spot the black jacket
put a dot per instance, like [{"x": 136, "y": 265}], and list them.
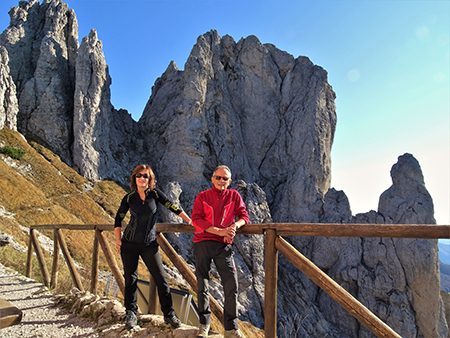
[{"x": 141, "y": 228}]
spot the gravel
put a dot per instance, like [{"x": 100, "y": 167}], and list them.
[{"x": 40, "y": 317}]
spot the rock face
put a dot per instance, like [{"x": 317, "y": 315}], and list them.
[
  {"x": 8, "y": 99},
  {"x": 104, "y": 139},
  {"x": 42, "y": 44},
  {"x": 407, "y": 201},
  {"x": 271, "y": 118},
  {"x": 397, "y": 279},
  {"x": 63, "y": 92}
]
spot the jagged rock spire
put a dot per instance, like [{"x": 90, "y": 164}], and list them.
[{"x": 42, "y": 42}]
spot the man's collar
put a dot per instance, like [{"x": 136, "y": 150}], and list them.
[{"x": 217, "y": 190}]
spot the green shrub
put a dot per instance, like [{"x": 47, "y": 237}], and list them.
[{"x": 12, "y": 152}]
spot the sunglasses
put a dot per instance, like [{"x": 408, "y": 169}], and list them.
[
  {"x": 141, "y": 175},
  {"x": 221, "y": 178}
]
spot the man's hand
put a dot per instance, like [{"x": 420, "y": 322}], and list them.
[
  {"x": 227, "y": 233},
  {"x": 227, "y": 239}
]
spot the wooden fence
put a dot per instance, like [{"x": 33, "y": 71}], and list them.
[{"x": 274, "y": 243}]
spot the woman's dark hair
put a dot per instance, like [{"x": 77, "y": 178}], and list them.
[{"x": 138, "y": 169}]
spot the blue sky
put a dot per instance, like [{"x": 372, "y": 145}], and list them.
[{"x": 387, "y": 61}]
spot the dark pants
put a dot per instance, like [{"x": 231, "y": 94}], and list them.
[
  {"x": 130, "y": 253},
  {"x": 222, "y": 255}
]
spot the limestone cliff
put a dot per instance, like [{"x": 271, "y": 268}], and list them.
[
  {"x": 270, "y": 117},
  {"x": 8, "y": 98},
  {"x": 398, "y": 279},
  {"x": 41, "y": 41},
  {"x": 105, "y": 140}
]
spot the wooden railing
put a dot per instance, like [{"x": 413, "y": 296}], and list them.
[{"x": 273, "y": 244}]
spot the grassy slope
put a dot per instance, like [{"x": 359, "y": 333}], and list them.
[{"x": 41, "y": 189}]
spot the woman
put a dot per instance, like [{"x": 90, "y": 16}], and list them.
[{"x": 139, "y": 239}]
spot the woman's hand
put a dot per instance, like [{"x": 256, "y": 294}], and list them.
[{"x": 118, "y": 245}]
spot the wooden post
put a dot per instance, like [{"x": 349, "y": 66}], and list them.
[
  {"x": 94, "y": 269},
  {"x": 179, "y": 262},
  {"x": 270, "y": 285},
  {"x": 71, "y": 265},
  {"x": 54, "y": 280},
  {"x": 152, "y": 297},
  {"x": 29, "y": 256},
  {"x": 338, "y": 293},
  {"x": 187, "y": 273},
  {"x": 111, "y": 261},
  {"x": 40, "y": 257}
]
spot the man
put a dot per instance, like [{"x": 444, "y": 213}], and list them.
[{"x": 213, "y": 216}]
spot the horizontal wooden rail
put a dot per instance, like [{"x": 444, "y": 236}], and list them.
[
  {"x": 332, "y": 229},
  {"x": 297, "y": 229},
  {"x": 100, "y": 227},
  {"x": 362, "y": 230},
  {"x": 249, "y": 229}
]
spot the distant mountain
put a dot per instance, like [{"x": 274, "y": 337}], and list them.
[
  {"x": 444, "y": 252},
  {"x": 445, "y": 276}
]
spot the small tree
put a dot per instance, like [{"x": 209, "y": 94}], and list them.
[{"x": 12, "y": 152}]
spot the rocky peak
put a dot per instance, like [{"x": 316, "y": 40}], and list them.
[
  {"x": 92, "y": 108},
  {"x": 42, "y": 42},
  {"x": 63, "y": 96},
  {"x": 106, "y": 141},
  {"x": 407, "y": 198},
  {"x": 231, "y": 105},
  {"x": 407, "y": 201}
]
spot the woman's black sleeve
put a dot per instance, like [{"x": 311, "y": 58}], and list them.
[
  {"x": 162, "y": 198},
  {"x": 121, "y": 212}
]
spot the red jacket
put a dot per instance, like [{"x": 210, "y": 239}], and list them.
[{"x": 216, "y": 208}]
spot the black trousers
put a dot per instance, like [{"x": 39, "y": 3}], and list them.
[
  {"x": 130, "y": 253},
  {"x": 222, "y": 255}
]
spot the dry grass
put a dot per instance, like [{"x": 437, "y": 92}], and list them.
[
  {"x": 17, "y": 260},
  {"x": 41, "y": 189}
]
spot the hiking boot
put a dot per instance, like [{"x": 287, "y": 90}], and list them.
[
  {"x": 203, "y": 330},
  {"x": 173, "y": 321},
  {"x": 233, "y": 334},
  {"x": 131, "y": 320}
]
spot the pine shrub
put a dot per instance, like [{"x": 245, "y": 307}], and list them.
[{"x": 12, "y": 152}]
